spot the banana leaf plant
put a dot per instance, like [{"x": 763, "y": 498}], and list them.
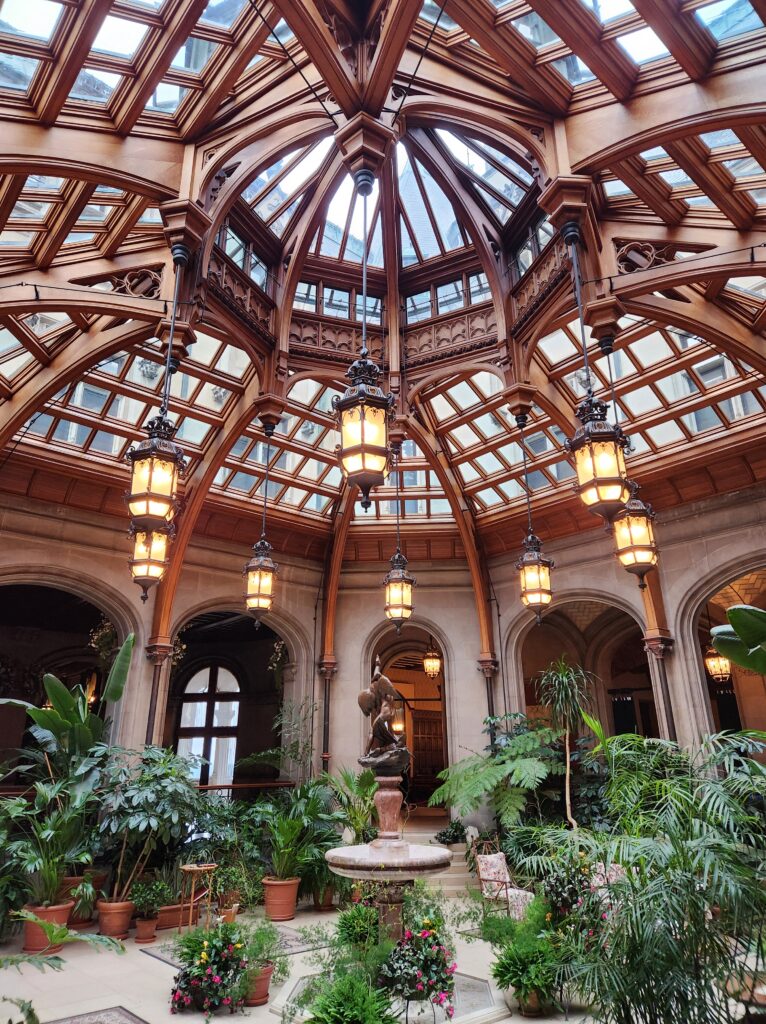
[
  {"x": 743, "y": 641},
  {"x": 69, "y": 728}
]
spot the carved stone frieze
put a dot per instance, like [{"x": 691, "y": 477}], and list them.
[
  {"x": 464, "y": 330},
  {"x": 550, "y": 268}
]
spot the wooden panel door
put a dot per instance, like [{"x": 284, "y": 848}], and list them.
[{"x": 427, "y": 751}]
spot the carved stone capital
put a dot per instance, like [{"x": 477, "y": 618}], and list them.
[
  {"x": 185, "y": 223},
  {"x": 658, "y": 646},
  {"x": 567, "y": 198},
  {"x": 488, "y": 665},
  {"x": 327, "y": 668},
  {"x": 158, "y": 653},
  {"x": 364, "y": 143}
]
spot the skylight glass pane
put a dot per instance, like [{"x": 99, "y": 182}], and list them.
[
  {"x": 641, "y": 401},
  {"x": 665, "y": 433},
  {"x": 677, "y": 386},
  {"x": 119, "y": 36},
  {"x": 282, "y": 33},
  {"x": 450, "y": 296},
  {"x": 607, "y": 10},
  {"x": 306, "y": 296},
  {"x": 719, "y": 139},
  {"x": 433, "y": 12},
  {"x": 375, "y": 255},
  {"x": 194, "y": 55},
  {"x": 557, "y": 347},
  {"x": 701, "y": 200},
  {"x": 94, "y": 86},
  {"x": 650, "y": 350},
  {"x": 222, "y": 12},
  {"x": 643, "y": 45},
  {"x": 293, "y": 181},
  {"x": 279, "y": 224},
  {"x": 31, "y": 209},
  {"x": 43, "y": 181},
  {"x": 353, "y": 250},
  {"x": 166, "y": 98},
  {"x": 616, "y": 187},
  {"x": 744, "y": 167},
  {"x": 414, "y": 205},
  {"x": 535, "y": 30},
  {"x": 573, "y": 69},
  {"x": 418, "y": 307},
  {"x": 655, "y": 153},
  {"x": 336, "y": 302},
  {"x": 478, "y": 288},
  {"x": 36, "y": 19},
  {"x": 676, "y": 177},
  {"x": 16, "y": 72},
  {"x": 443, "y": 212},
  {"x": 409, "y": 255},
  {"x": 729, "y": 18}
]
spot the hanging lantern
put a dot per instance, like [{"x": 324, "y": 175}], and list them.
[
  {"x": 598, "y": 448},
  {"x": 634, "y": 537},
  {"x": 535, "y": 575},
  {"x": 260, "y": 574},
  {"x": 432, "y": 662},
  {"x": 717, "y": 666},
  {"x": 398, "y": 583},
  {"x": 157, "y": 463},
  {"x": 149, "y": 559},
  {"x": 398, "y": 722}
]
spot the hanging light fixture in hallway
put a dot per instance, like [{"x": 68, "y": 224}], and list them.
[
  {"x": 534, "y": 568},
  {"x": 398, "y": 582},
  {"x": 157, "y": 464},
  {"x": 261, "y": 571},
  {"x": 598, "y": 446},
  {"x": 634, "y": 537},
  {"x": 717, "y": 666},
  {"x": 432, "y": 662},
  {"x": 363, "y": 410}
]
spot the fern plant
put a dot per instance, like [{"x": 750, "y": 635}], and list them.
[{"x": 506, "y": 774}]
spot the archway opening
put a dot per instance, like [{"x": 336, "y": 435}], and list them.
[
  {"x": 423, "y": 718},
  {"x": 737, "y": 700},
  {"x": 45, "y": 629},
  {"x": 606, "y": 642},
  {"x": 226, "y": 693}
]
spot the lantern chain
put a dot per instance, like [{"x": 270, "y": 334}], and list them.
[
  {"x": 268, "y": 430},
  {"x": 364, "y": 274},
  {"x": 521, "y": 422},
  {"x": 180, "y": 258}
]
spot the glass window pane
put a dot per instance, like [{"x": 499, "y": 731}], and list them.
[
  {"x": 16, "y": 72},
  {"x": 94, "y": 86},
  {"x": 199, "y": 682},
  {"x": 225, "y": 714},
  {"x": 642, "y": 45},
  {"x": 194, "y": 55},
  {"x": 306, "y": 296},
  {"x": 119, "y": 36},
  {"x": 449, "y": 296},
  {"x": 728, "y": 18},
  {"x": 573, "y": 69},
  {"x": 33, "y": 18},
  {"x": 191, "y": 745},
  {"x": 478, "y": 288},
  {"x": 223, "y": 751},
  {"x": 336, "y": 302},
  {"x": 418, "y": 307},
  {"x": 193, "y": 714}
]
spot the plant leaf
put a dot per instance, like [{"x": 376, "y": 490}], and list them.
[
  {"x": 118, "y": 673},
  {"x": 62, "y": 700},
  {"x": 749, "y": 624},
  {"x": 728, "y": 643}
]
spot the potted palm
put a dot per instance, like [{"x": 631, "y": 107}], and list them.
[
  {"x": 50, "y": 836},
  {"x": 527, "y": 965},
  {"x": 291, "y": 854},
  {"x": 266, "y": 962},
  {"x": 147, "y": 799},
  {"x": 354, "y": 796},
  {"x": 147, "y": 898}
]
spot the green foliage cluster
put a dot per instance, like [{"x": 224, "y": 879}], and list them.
[
  {"x": 354, "y": 797},
  {"x": 507, "y": 774},
  {"x": 453, "y": 833},
  {"x": 213, "y": 970},
  {"x": 149, "y": 896},
  {"x": 352, "y": 999},
  {"x": 528, "y": 965},
  {"x": 743, "y": 641},
  {"x": 263, "y": 946},
  {"x": 358, "y": 925}
]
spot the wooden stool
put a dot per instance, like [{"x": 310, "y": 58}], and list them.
[{"x": 195, "y": 872}]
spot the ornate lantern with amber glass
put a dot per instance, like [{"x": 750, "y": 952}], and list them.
[
  {"x": 634, "y": 537},
  {"x": 432, "y": 662},
  {"x": 149, "y": 557}
]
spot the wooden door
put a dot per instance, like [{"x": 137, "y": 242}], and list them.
[{"x": 427, "y": 752}]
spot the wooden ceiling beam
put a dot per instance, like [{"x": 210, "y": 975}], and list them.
[
  {"x": 583, "y": 33},
  {"x": 179, "y": 18},
  {"x": 71, "y": 50},
  {"x": 10, "y": 190},
  {"x": 651, "y": 189},
  {"x": 399, "y": 20},
  {"x": 65, "y": 218},
  {"x": 122, "y": 225},
  {"x": 320, "y": 44},
  {"x": 753, "y": 137},
  {"x": 714, "y": 179},
  {"x": 690, "y": 43},
  {"x": 514, "y": 54}
]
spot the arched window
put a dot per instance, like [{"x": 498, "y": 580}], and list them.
[{"x": 208, "y": 723}]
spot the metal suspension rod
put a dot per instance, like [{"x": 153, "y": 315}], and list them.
[
  {"x": 364, "y": 274},
  {"x": 575, "y": 258},
  {"x": 521, "y": 422},
  {"x": 169, "y": 357},
  {"x": 396, "y": 470},
  {"x": 266, "y": 485}
]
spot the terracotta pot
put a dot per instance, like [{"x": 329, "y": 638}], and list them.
[
  {"x": 114, "y": 918},
  {"x": 228, "y": 899},
  {"x": 258, "y": 995},
  {"x": 323, "y": 898},
  {"x": 531, "y": 1006},
  {"x": 280, "y": 897},
  {"x": 71, "y": 882},
  {"x": 228, "y": 914},
  {"x": 35, "y": 939},
  {"x": 170, "y": 915},
  {"x": 146, "y": 930}
]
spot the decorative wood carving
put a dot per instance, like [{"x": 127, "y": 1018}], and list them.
[
  {"x": 550, "y": 268},
  {"x": 238, "y": 292},
  {"x": 339, "y": 337},
  {"x": 633, "y": 256},
  {"x": 464, "y": 330},
  {"x": 142, "y": 282}
]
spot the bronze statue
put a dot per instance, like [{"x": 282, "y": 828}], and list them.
[{"x": 385, "y": 751}]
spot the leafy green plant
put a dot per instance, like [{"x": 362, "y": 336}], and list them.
[
  {"x": 506, "y": 774},
  {"x": 354, "y": 795},
  {"x": 50, "y": 836},
  {"x": 291, "y": 850},
  {"x": 358, "y": 925},
  {"x": 421, "y": 966},
  {"x": 263, "y": 946},
  {"x": 453, "y": 833},
  {"x": 351, "y": 999},
  {"x": 213, "y": 970},
  {"x": 69, "y": 728},
  {"x": 564, "y": 689},
  {"x": 743, "y": 641},
  {"x": 527, "y": 964},
  {"x": 148, "y": 897}
]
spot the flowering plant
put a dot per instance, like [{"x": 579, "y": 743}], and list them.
[
  {"x": 213, "y": 970},
  {"x": 420, "y": 966}
]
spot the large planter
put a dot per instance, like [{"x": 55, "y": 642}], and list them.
[
  {"x": 70, "y": 882},
  {"x": 170, "y": 915},
  {"x": 323, "y": 898},
  {"x": 529, "y": 1007},
  {"x": 114, "y": 918},
  {"x": 280, "y": 897},
  {"x": 35, "y": 939},
  {"x": 258, "y": 994},
  {"x": 146, "y": 930}
]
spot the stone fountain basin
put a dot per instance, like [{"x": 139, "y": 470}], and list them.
[{"x": 388, "y": 861}]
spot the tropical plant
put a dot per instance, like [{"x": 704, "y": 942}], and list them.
[
  {"x": 13, "y": 882},
  {"x": 358, "y": 925},
  {"x": 564, "y": 690},
  {"x": 354, "y": 795},
  {"x": 743, "y": 641},
  {"x": 675, "y": 901},
  {"x": 295, "y": 755},
  {"x": 148, "y": 897},
  {"x": 452, "y": 834},
  {"x": 291, "y": 852},
  {"x": 350, "y": 998},
  {"x": 506, "y": 774},
  {"x": 213, "y": 970},
  {"x": 68, "y": 729},
  {"x": 527, "y": 964},
  {"x": 49, "y": 836},
  {"x": 263, "y": 946},
  {"x": 421, "y": 966},
  {"x": 147, "y": 799}
]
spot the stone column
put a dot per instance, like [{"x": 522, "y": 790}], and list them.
[
  {"x": 327, "y": 669},
  {"x": 158, "y": 655},
  {"x": 658, "y": 647}
]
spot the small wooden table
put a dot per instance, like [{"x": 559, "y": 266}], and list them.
[{"x": 201, "y": 873}]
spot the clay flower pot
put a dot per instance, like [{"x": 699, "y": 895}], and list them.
[
  {"x": 258, "y": 994},
  {"x": 323, "y": 898},
  {"x": 280, "y": 897},
  {"x": 70, "y": 882},
  {"x": 35, "y": 939},
  {"x": 228, "y": 914},
  {"x": 114, "y": 918},
  {"x": 146, "y": 930}
]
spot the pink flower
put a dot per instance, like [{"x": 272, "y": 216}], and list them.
[
  {"x": 419, "y": 987},
  {"x": 424, "y": 935},
  {"x": 176, "y": 996},
  {"x": 408, "y": 934},
  {"x": 230, "y": 948},
  {"x": 450, "y": 1012},
  {"x": 603, "y": 917},
  {"x": 217, "y": 980},
  {"x": 209, "y": 970},
  {"x": 420, "y": 974},
  {"x": 226, "y": 1000},
  {"x": 187, "y": 1000}
]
